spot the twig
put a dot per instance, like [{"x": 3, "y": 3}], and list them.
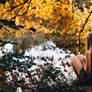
[
  {"x": 83, "y": 28},
  {"x": 85, "y": 22}
]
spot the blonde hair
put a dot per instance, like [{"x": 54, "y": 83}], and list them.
[{"x": 89, "y": 41}]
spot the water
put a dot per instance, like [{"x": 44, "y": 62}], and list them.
[{"x": 42, "y": 54}]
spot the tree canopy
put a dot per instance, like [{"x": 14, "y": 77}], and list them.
[{"x": 60, "y": 18}]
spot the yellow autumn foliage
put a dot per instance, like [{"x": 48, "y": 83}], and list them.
[
  {"x": 52, "y": 14},
  {"x": 40, "y": 10}
]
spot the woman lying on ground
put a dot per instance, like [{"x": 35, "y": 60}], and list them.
[{"x": 83, "y": 65}]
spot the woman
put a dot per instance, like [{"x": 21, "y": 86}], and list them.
[{"x": 83, "y": 66}]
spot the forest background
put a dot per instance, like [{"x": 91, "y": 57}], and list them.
[
  {"x": 61, "y": 20},
  {"x": 27, "y": 23}
]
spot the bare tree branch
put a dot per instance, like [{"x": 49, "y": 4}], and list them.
[
  {"x": 83, "y": 28},
  {"x": 86, "y": 22}
]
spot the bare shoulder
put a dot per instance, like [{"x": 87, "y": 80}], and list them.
[{"x": 88, "y": 51}]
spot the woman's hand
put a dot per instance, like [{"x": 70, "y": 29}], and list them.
[{"x": 83, "y": 61}]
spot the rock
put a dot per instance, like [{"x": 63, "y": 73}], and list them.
[{"x": 85, "y": 88}]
